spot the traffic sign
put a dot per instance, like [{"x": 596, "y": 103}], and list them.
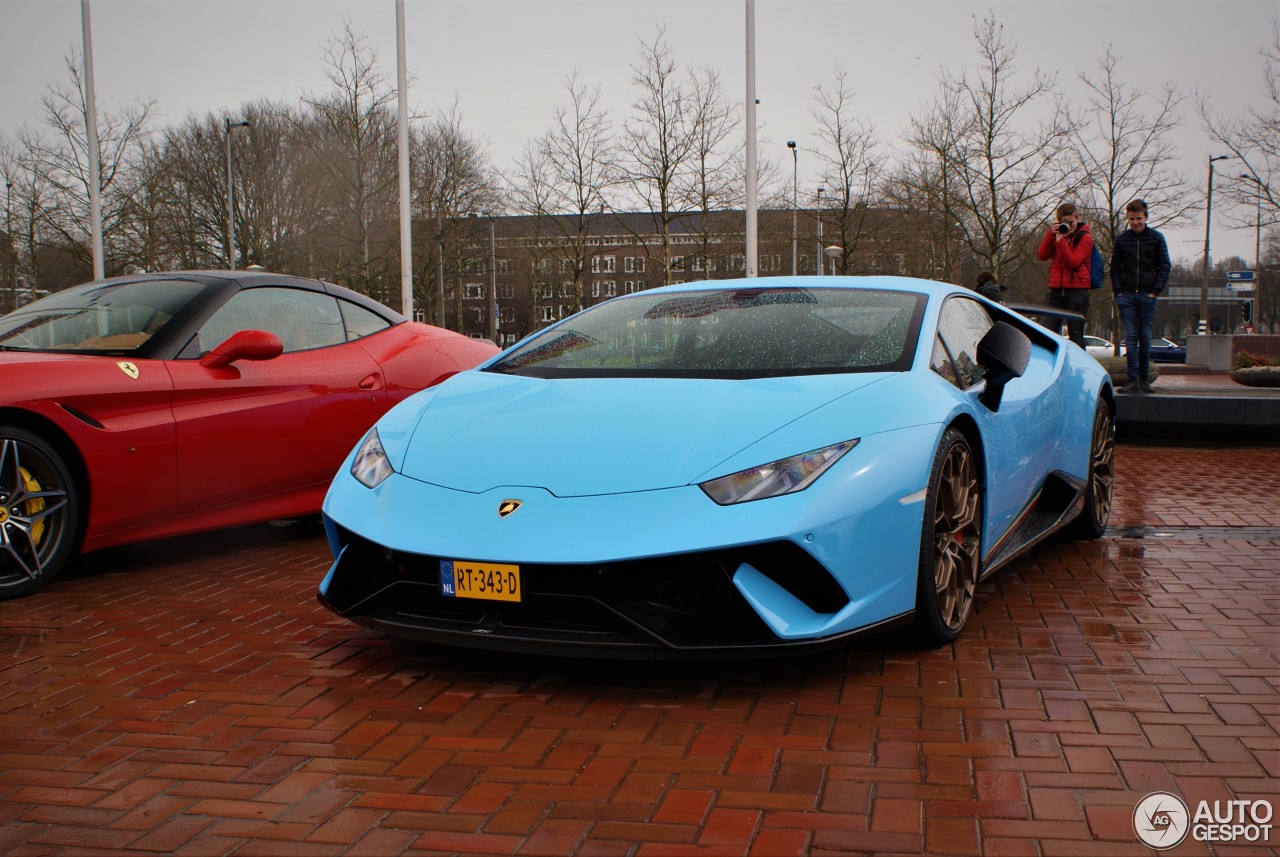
[{"x": 1239, "y": 277}]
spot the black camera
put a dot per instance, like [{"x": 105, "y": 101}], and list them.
[{"x": 1063, "y": 228}]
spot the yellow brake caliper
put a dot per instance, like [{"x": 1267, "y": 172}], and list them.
[{"x": 33, "y": 506}]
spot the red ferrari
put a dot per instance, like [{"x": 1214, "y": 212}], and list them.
[{"x": 152, "y": 405}]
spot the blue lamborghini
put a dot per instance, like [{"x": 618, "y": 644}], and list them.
[{"x": 724, "y": 468}]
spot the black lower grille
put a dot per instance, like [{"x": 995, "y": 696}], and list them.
[{"x": 680, "y": 601}]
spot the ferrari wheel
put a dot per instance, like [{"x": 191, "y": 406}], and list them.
[
  {"x": 1092, "y": 522},
  {"x": 38, "y": 513},
  {"x": 951, "y": 544}
]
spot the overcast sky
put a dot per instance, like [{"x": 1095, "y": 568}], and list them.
[{"x": 505, "y": 61}]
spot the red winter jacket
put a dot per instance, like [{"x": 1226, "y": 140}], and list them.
[{"x": 1068, "y": 259}]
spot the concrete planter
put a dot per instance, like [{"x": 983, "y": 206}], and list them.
[{"x": 1257, "y": 376}]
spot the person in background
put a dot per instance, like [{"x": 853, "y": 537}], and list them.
[
  {"x": 1067, "y": 246},
  {"x": 988, "y": 287},
  {"x": 1139, "y": 272}
]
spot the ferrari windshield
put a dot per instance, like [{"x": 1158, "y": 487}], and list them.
[
  {"x": 117, "y": 318},
  {"x": 729, "y": 333}
]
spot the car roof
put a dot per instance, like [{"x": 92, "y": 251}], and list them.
[{"x": 255, "y": 279}]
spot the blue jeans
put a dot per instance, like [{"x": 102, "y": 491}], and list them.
[{"x": 1137, "y": 311}]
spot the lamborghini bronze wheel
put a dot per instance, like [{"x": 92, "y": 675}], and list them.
[
  {"x": 1092, "y": 522},
  {"x": 951, "y": 544},
  {"x": 38, "y": 514}
]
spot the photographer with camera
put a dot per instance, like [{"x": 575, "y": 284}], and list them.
[{"x": 1067, "y": 246}]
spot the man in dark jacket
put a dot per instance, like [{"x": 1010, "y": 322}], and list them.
[
  {"x": 1139, "y": 272},
  {"x": 1068, "y": 246}
]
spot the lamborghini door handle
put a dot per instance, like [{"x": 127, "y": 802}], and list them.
[{"x": 371, "y": 381}]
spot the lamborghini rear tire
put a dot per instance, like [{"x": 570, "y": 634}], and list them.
[
  {"x": 39, "y": 512},
  {"x": 1092, "y": 521},
  {"x": 951, "y": 542}
]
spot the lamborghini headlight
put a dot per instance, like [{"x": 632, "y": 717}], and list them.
[
  {"x": 773, "y": 480},
  {"x": 371, "y": 465}
]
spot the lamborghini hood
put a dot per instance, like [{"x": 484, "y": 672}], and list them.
[{"x": 582, "y": 437}]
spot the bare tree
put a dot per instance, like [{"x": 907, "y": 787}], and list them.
[
  {"x": 998, "y": 177},
  {"x": 62, "y": 163},
  {"x": 715, "y": 180},
  {"x": 351, "y": 134},
  {"x": 659, "y": 140},
  {"x": 1121, "y": 147},
  {"x": 452, "y": 179},
  {"x": 850, "y": 167},
  {"x": 1254, "y": 139},
  {"x": 581, "y": 154},
  {"x": 532, "y": 189}
]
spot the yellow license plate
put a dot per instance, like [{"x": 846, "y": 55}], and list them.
[{"x": 488, "y": 581}]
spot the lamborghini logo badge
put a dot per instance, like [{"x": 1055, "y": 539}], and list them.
[
  {"x": 4, "y": 515},
  {"x": 506, "y": 507},
  {"x": 128, "y": 369}
]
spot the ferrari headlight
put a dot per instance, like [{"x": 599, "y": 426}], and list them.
[
  {"x": 371, "y": 465},
  {"x": 773, "y": 480}
]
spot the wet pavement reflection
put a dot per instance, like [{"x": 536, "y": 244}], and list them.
[{"x": 191, "y": 697}]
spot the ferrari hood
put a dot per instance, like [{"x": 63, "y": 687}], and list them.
[{"x": 581, "y": 437}]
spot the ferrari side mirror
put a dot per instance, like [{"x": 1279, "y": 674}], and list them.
[
  {"x": 1004, "y": 352},
  {"x": 243, "y": 345}
]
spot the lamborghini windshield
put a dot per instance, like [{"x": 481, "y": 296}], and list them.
[
  {"x": 729, "y": 333},
  {"x": 117, "y": 319}
]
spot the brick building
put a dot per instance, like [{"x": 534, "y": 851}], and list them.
[{"x": 547, "y": 268}]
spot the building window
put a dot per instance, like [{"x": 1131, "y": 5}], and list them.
[
  {"x": 566, "y": 266},
  {"x": 506, "y": 291},
  {"x": 629, "y": 286},
  {"x": 595, "y": 289},
  {"x": 566, "y": 289},
  {"x": 544, "y": 290},
  {"x": 604, "y": 264},
  {"x": 504, "y": 266},
  {"x": 508, "y": 339},
  {"x": 737, "y": 262},
  {"x": 473, "y": 291},
  {"x": 542, "y": 266},
  {"x": 475, "y": 315},
  {"x": 547, "y": 314},
  {"x": 473, "y": 266},
  {"x": 610, "y": 288},
  {"x": 771, "y": 262},
  {"x": 677, "y": 263},
  {"x": 633, "y": 265},
  {"x": 567, "y": 309}
]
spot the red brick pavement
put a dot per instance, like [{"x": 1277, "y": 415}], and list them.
[{"x": 190, "y": 697}]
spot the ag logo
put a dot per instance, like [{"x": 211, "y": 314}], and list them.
[
  {"x": 128, "y": 369},
  {"x": 1161, "y": 820},
  {"x": 506, "y": 507}
]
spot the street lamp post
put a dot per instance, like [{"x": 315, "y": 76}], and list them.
[
  {"x": 1257, "y": 236},
  {"x": 8, "y": 234},
  {"x": 1208, "y": 214},
  {"x": 795, "y": 205},
  {"x": 1257, "y": 222},
  {"x": 817, "y": 265},
  {"x": 231, "y": 198},
  {"x": 493, "y": 282}
]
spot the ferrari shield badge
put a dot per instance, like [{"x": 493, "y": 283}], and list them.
[
  {"x": 129, "y": 369},
  {"x": 506, "y": 507}
]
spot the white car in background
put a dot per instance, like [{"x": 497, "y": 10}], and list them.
[
  {"x": 1162, "y": 350},
  {"x": 1099, "y": 347}
]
